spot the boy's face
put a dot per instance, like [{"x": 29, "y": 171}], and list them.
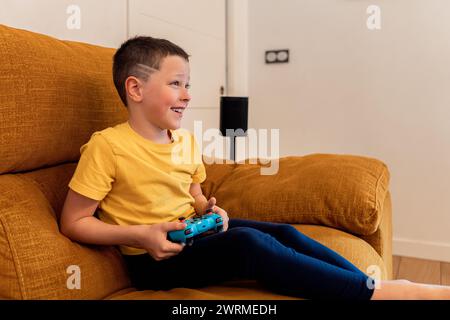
[{"x": 164, "y": 96}]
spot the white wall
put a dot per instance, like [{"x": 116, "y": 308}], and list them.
[
  {"x": 103, "y": 22},
  {"x": 349, "y": 90},
  {"x": 237, "y": 24}
]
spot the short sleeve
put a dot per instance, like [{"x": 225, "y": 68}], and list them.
[
  {"x": 200, "y": 174},
  {"x": 95, "y": 172}
]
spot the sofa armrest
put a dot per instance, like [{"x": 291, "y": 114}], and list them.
[
  {"x": 381, "y": 240},
  {"x": 346, "y": 192},
  {"x": 35, "y": 256}
]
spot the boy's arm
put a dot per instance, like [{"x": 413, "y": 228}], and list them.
[
  {"x": 201, "y": 203},
  {"x": 79, "y": 224}
]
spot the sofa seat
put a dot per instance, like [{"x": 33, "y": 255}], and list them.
[{"x": 358, "y": 251}]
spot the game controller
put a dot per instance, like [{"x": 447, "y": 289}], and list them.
[{"x": 196, "y": 227}]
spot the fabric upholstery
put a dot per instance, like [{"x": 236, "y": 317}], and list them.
[
  {"x": 341, "y": 191},
  {"x": 53, "y": 95},
  {"x": 35, "y": 256},
  {"x": 381, "y": 240}
]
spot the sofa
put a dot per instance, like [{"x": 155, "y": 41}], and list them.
[{"x": 54, "y": 94}]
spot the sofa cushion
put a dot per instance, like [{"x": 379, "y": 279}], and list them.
[
  {"x": 356, "y": 250},
  {"x": 54, "y": 94},
  {"x": 341, "y": 191}
]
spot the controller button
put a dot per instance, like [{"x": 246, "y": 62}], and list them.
[
  {"x": 218, "y": 219},
  {"x": 188, "y": 231}
]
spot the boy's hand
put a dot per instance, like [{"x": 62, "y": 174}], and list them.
[
  {"x": 153, "y": 238},
  {"x": 212, "y": 205}
]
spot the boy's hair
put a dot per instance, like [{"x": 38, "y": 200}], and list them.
[{"x": 137, "y": 56}]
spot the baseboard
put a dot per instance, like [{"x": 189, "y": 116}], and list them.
[{"x": 429, "y": 250}]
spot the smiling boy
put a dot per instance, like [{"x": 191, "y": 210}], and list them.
[{"x": 127, "y": 172}]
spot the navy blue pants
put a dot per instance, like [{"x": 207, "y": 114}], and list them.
[{"x": 276, "y": 255}]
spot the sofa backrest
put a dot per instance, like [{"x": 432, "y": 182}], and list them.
[{"x": 53, "y": 95}]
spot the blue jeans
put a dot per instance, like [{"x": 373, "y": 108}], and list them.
[{"x": 277, "y": 255}]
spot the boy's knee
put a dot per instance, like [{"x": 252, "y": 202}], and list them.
[
  {"x": 248, "y": 235},
  {"x": 286, "y": 228}
]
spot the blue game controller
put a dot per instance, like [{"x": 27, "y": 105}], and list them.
[{"x": 195, "y": 227}]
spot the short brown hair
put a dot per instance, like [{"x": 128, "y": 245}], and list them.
[{"x": 141, "y": 50}]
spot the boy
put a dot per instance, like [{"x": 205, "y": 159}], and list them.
[
  {"x": 129, "y": 171},
  {"x": 143, "y": 175}
]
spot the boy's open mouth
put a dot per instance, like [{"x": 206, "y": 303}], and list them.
[{"x": 178, "y": 109}]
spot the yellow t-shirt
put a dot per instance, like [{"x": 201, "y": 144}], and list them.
[{"x": 136, "y": 180}]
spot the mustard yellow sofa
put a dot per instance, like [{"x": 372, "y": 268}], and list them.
[{"x": 54, "y": 94}]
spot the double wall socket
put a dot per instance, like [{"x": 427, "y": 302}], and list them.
[{"x": 277, "y": 56}]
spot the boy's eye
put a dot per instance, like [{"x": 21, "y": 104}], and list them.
[{"x": 177, "y": 83}]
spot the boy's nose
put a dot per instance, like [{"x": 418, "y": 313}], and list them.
[{"x": 186, "y": 97}]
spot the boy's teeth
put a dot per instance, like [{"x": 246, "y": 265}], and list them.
[{"x": 177, "y": 110}]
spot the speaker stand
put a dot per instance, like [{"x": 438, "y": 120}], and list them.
[{"x": 233, "y": 147}]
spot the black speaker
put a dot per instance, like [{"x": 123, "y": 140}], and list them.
[{"x": 233, "y": 114}]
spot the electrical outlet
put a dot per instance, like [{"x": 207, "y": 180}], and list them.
[{"x": 277, "y": 56}]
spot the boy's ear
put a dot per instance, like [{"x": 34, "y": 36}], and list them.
[{"x": 133, "y": 87}]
